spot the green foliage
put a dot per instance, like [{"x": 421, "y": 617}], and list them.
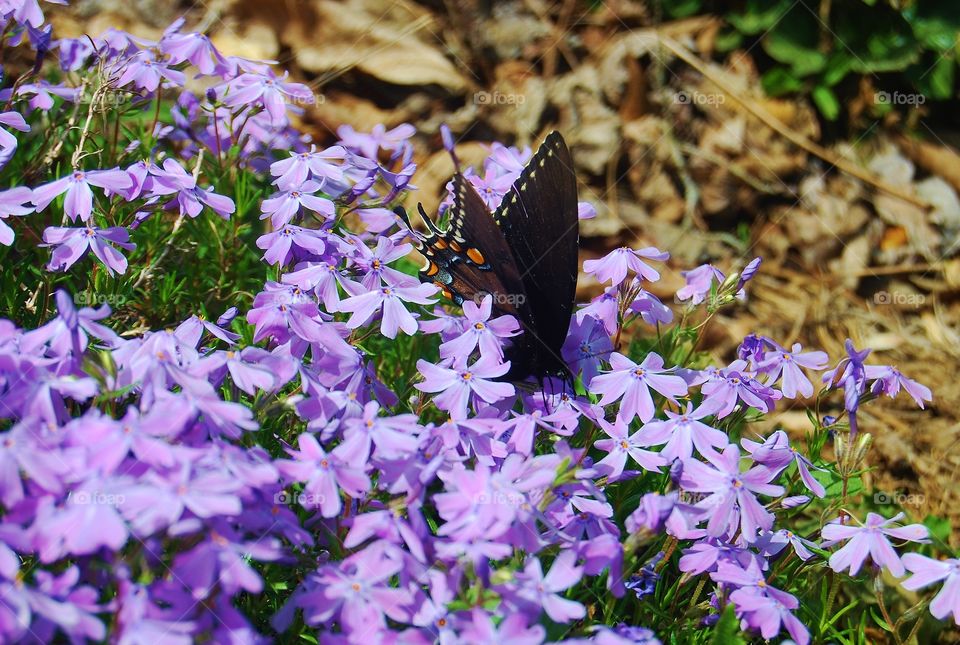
[{"x": 814, "y": 47}]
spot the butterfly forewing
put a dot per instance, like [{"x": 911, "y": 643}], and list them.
[{"x": 539, "y": 219}]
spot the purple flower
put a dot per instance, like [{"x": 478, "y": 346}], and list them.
[
  {"x": 615, "y": 265},
  {"x": 731, "y": 495},
  {"x": 393, "y": 437},
  {"x": 13, "y": 202},
  {"x": 369, "y": 144},
  {"x": 779, "y": 362},
  {"x": 926, "y": 571},
  {"x": 543, "y": 590},
  {"x": 480, "y": 331},
  {"x": 619, "y": 446},
  {"x": 374, "y": 263},
  {"x": 870, "y": 539},
  {"x": 194, "y": 47},
  {"x": 145, "y": 72},
  {"x": 190, "y": 197},
  {"x": 681, "y": 432},
  {"x": 748, "y": 272},
  {"x": 776, "y": 453},
  {"x": 730, "y": 385},
  {"x": 282, "y": 207},
  {"x": 889, "y": 380},
  {"x": 324, "y": 474},
  {"x": 8, "y": 142},
  {"x": 768, "y": 614},
  {"x": 268, "y": 90},
  {"x": 69, "y": 332},
  {"x": 79, "y": 199},
  {"x": 297, "y": 168},
  {"x": 586, "y": 346},
  {"x": 633, "y": 382},
  {"x": 73, "y": 243},
  {"x": 458, "y": 385},
  {"x": 390, "y": 301},
  {"x": 279, "y": 244},
  {"x": 492, "y": 187},
  {"x": 481, "y": 630},
  {"x": 699, "y": 283}
]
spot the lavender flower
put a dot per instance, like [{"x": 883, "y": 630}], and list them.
[
  {"x": 925, "y": 572},
  {"x": 871, "y": 539},
  {"x": 73, "y": 243},
  {"x": 632, "y": 383},
  {"x": 79, "y": 196}
]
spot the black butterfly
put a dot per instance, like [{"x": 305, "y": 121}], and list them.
[{"x": 524, "y": 255}]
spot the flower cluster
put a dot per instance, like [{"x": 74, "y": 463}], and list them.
[{"x": 344, "y": 455}]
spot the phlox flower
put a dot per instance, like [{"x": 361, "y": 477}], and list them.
[
  {"x": 322, "y": 278},
  {"x": 514, "y": 629},
  {"x": 278, "y": 245},
  {"x": 650, "y": 309},
  {"x": 73, "y": 243},
  {"x": 872, "y": 538},
  {"x": 393, "y": 437},
  {"x": 889, "y": 380},
  {"x": 619, "y": 446},
  {"x": 389, "y": 301},
  {"x": 458, "y": 385},
  {"x": 762, "y": 607},
  {"x": 731, "y": 494},
  {"x": 779, "y": 363},
  {"x": 79, "y": 197},
  {"x": 8, "y": 142},
  {"x": 374, "y": 263},
  {"x": 699, "y": 283},
  {"x": 544, "y": 590},
  {"x": 726, "y": 387},
  {"x": 587, "y": 344},
  {"x": 15, "y": 201},
  {"x": 605, "y": 308},
  {"x": 368, "y": 145},
  {"x": 190, "y": 197},
  {"x": 266, "y": 89},
  {"x": 283, "y": 207},
  {"x": 145, "y": 72},
  {"x": 682, "y": 432},
  {"x": 491, "y": 188},
  {"x": 632, "y": 383},
  {"x": 325, "y": 475},
  {"x": 616, "y": 264},
  {"x": 194, "y": 47},
  {"x": 68, "y": 333},
  {"x": 480, "y": 331},
  {"x": 299, "y": 166},
  {"x": 925, "y": 572},
  {"x": 776, "y": 453}
]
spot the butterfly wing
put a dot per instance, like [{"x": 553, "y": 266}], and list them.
[
  {"x": 471, "y": 257},
  {"x": 538, "y": 217}
]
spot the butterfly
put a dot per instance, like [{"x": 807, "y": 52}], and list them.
[{"x": 524, "y": 255}]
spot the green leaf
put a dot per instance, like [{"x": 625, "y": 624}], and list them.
[
  {"x": 727, "y": 629},
  {"x": 936, "y": 81},
  {"x": 682, "y": 8},
  {"x": 838, "y": 66},
  {"x": 795, "y": 41},
  {"x": 759, "y": 16},
  {"x": 778, "y": 81},
  {"x": 935, "y": 23},
  {"x": 826, "y": 102},
  {"x": 939, "y": 527},
  {"x": 879, "y": 40},
  {"x": 728, "y": 40}
]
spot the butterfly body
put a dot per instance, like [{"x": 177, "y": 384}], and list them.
[{"x": 524, "y": 255}]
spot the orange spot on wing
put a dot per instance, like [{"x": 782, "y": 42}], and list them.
[
  {"x": 476, "y": 256},
  {"x": 432, "y": 270}
]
